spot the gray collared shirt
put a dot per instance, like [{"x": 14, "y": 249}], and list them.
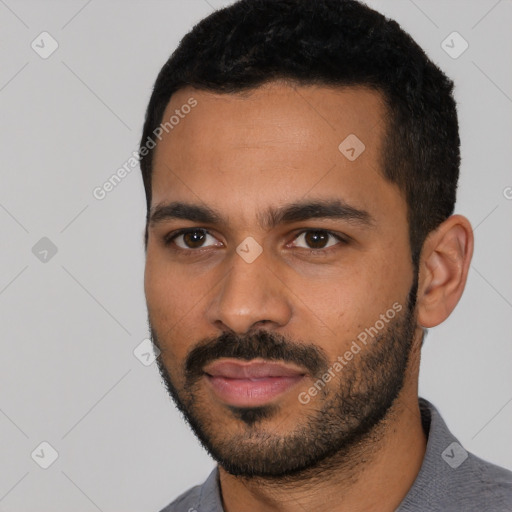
[{"x": 450, "y": 479}]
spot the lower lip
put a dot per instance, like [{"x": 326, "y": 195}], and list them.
[{"x": 251, "y": 393}]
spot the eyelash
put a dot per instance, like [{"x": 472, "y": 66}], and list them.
[{"x": 169, "y": 238}]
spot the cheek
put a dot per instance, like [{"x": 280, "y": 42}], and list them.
[
  {"x": 158, "y": 290},
  {"x": 329, "y": 307},
  {"x": 339, "y": 308},
  {"x": 168, "y": 307},
  {"x": 164, "y": 286}
]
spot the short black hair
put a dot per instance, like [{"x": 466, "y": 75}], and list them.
[{"x": 331, "y": 43}]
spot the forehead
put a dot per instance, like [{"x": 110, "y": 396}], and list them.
[{"x": 273, "y": 144}]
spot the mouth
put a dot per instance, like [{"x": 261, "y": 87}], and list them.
[{"x": 251, "y": 383}]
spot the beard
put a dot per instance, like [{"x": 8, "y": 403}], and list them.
[{"x": 335, "y": 423}]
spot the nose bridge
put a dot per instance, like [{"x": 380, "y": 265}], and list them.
[{"x": 250, "y": 293}]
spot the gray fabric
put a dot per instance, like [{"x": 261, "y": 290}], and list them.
[{"x": 450, "y": 479}]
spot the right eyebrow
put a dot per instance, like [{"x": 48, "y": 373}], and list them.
[{"x": 185, "y": 211}]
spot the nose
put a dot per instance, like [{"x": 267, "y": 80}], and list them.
[{"x": 250, "y": 295}]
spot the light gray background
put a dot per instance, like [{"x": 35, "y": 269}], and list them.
[{"x": 69, "y": 326}]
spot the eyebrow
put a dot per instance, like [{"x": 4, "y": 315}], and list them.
[{"x": 272, "y": 217}]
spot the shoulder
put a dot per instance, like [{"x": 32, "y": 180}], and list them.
[
  {"x": 453, "y": 479},
  {"x": 185, "y": 502},
  {"x": 493, "y": 485},
  {"x": 201, "y": 498}
]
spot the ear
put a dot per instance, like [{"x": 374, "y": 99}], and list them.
[{"x": 444, "y": 266}]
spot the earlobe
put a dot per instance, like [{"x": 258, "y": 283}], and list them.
[{"x": 444, "y": 266}]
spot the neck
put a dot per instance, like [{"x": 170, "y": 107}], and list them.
[{"x": 374, "y": 474}]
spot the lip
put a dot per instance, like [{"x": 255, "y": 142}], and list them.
[{"x": 251, "y": 383}]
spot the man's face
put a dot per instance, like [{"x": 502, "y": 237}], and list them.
[{"x": 284, "y": 337}]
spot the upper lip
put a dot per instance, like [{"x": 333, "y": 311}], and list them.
[{"x": 254, "y": 369}]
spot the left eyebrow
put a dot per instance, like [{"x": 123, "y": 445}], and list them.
[
  {"x": 272, "y": 217},
  {"x": 318, "y": 209}
]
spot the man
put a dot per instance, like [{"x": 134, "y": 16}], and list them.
[{"x": 300, "y": 160}]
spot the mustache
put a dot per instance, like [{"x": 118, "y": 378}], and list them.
[{"x": 261, "y": 344}]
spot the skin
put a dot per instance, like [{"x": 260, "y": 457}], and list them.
[{"x": 241, "y": 154}]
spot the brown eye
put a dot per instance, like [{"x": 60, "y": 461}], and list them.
[
  {"x": 317, "y": 239},
  {"x": 194, "y": 239},
  {"x": 191, "y": 239}
]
